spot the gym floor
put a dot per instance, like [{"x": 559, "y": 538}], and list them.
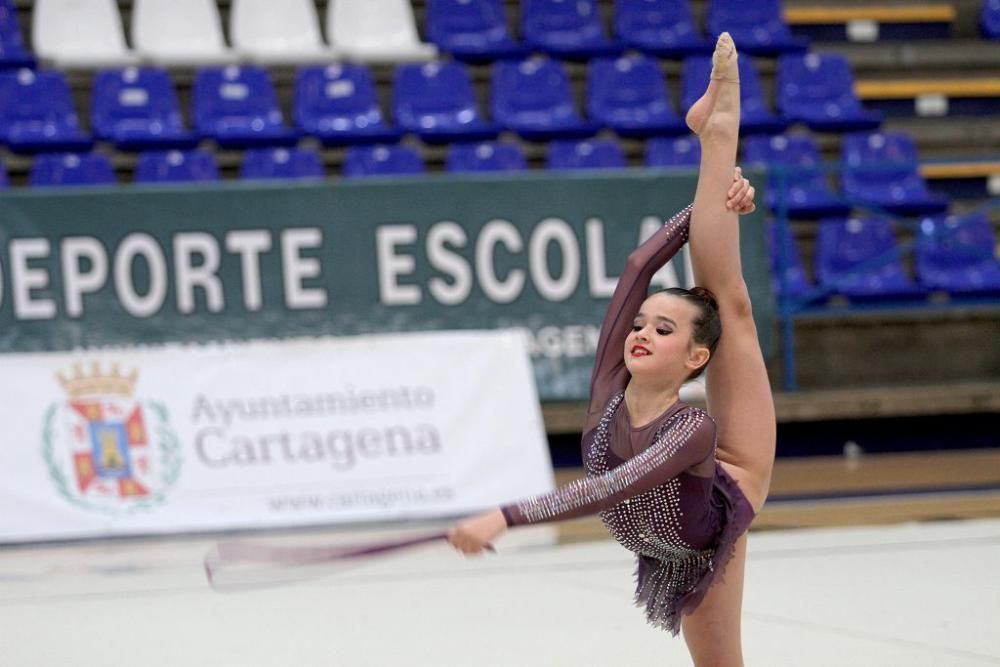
[{"x": 919, "y": 587}]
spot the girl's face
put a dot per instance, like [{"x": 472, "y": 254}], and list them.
[{"x": 661, "y": 342}]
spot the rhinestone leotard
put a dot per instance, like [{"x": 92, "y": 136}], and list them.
[{"x": 681, "y": 526}]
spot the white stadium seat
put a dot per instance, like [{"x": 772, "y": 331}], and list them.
[
  {"x": 376, "y": 31},
  {"x": 273, "y": 32},
  {"x": 180, "y": 32},
  {"x": 80, "y": 33}
]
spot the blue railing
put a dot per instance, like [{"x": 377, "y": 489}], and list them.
[{"x": 814, "y": 301}]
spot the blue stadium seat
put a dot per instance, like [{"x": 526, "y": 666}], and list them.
[
  {"x": 237, "y": 107},
  {"x": 533, "y": 98},
  {"x": 858, "y": 257},
  {"x": 957, "y": 254},
  {"x": 36, "y": 113},
  {"x": 566, "y": 28},
  {"x": 671, "y": 152},
  {"x": 585, "y": 154},
  {"x": 807, "y": 193},
  {"x": 818, "y": 90},
  {"x": 795, "y": 284},
  {"x": 471, "y": 30},
  {"x": 176, "y": 167},
  {"x": 282, "y": 163},
  {"x": 486, "y": 156},
  {"x": 12, "y": 50},
  {"x": 629, "y": 94},
  {"x": 662, "y": 27},
  {"x": 881, "y": 169},
  {"x": 338, "y": 104},
  {"x": 757, "y": 27},
  {"x": 989, "y": 19},
  {"x": 436, "y": 101},
  {"x": 137, "y": 109},
  {"x": 398, "y": 160},
  {"x": 755, "y": 118},
  {"x": 71, "y": 169}
]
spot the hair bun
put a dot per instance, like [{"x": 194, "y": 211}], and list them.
[{"x": 705, "y": 295}]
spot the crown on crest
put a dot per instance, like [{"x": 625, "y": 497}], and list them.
[{"x": 98, "y": 382}]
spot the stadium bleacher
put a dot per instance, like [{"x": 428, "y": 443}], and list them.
[
  {"x": 858, "y": 257},
  {"x": 956, "y": 255},
  {"x": 630, "y": 96},
  {"x": 471, "y": 31},
  {"x": 570, "y": 30},
  {"x": 660, "y": 27},
  {"x": 71, "y": 170},
  {"x": 195, "y": 166},
  {"x": 181, "y": 33},
  {"x": 274, "y": 33},
  {"x": 282, "y": 163},
  {"x": 802, "y": 186},
  {"x": 37, "y": 114},
  {"x": 80, "y": 33},
  {"x": 533, "y": 98},
  {"x": 436, "y": 102},
  {"x": 338, "y": 105},
  {"x": 585, "y": 154},
  {"x": 382, "y": 161},
  {"x": 679, "y": 152},
  {"x": 759, "y": 26},
  {"x": 237, "y": 107},
  {"x": 354, "y": 88},
  {"x": 137, "y": 109},
  {"x": 486, "y": 156}
]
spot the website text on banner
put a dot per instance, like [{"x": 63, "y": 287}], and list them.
[
  {"x": 296, "y": 432},
  {"x": 245, "y": 261}
]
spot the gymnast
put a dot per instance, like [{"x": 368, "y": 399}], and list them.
[{"x": 677, "y": 486}]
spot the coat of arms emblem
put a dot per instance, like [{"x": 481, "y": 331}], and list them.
[{"x": 105, "y": 449}]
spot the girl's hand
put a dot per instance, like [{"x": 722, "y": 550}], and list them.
[
  {"x": 740, "y": 196},
  {"x": 472, "y": 536}
]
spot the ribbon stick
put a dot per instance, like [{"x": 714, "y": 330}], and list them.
[{"x": 253, "y": 560}]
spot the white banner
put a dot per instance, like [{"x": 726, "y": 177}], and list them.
[{"x": 242, "y": 435}]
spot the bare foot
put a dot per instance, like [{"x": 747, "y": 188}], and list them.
[{"x": 724, "y": 70}]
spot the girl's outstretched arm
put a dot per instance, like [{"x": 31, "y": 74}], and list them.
[{"x": 688, "y": 439}]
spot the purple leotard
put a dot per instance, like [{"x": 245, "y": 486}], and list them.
[{"x": 658, "y": 487}]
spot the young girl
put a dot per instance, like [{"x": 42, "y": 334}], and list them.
[{"x": 672, "y": 484}]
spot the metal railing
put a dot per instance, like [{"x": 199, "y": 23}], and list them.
[{"x": 814, "y": 300}]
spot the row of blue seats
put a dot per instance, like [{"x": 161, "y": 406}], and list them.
[
  {"x": 477, "y": 30},
  {"x": 177, "y": 166},
  {"x": 859, "y": 258},
  {"x": 137, "y": 108},
  {"x": 878, "y": 170}
]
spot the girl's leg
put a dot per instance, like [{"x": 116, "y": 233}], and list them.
[
  {"x": 738, "y": 390},
  {"x": 739, "y": 394},
  {"x": 712, "y": 631}
]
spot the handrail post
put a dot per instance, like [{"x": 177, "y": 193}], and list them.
[{"x": 785, "y": 305}]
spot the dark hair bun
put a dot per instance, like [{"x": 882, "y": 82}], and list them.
[{"x": 704, "y": 294}]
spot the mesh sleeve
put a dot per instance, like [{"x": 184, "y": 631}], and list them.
[
  {"x": 610, "y": 375},
  {"x": 688, "y": 439}
]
